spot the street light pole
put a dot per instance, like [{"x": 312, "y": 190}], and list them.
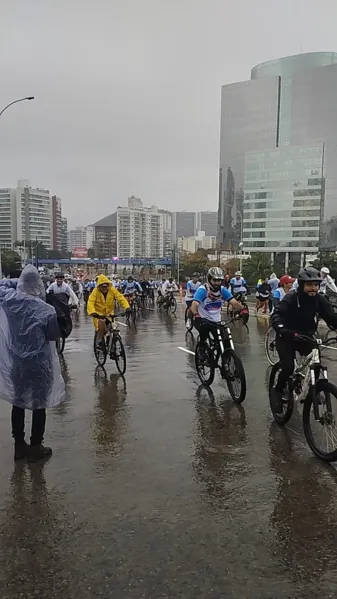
[{"x": 1, "y": 113}]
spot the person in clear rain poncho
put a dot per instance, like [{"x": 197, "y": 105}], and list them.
[{"x": 30, "y": 375}]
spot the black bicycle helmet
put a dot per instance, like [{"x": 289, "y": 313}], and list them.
[
  {"x": 59, "y": 275},
  {"x": 309, "y": 274}
]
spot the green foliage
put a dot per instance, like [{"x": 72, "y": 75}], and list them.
[
  {"x": 10, "y": 261},
  {"x": 197, "y": 262},
  {"x": 258, "y": 266}
]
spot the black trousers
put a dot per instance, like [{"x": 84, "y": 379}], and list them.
[
  {"x": 204, "y": 327},
  {"x": 38, "y": 425},
  {"x": 286, "y": 349}
]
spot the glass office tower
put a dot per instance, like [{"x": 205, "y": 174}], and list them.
[{"x": 285, "y": 110}]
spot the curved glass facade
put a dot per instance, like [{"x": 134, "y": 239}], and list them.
[{"x": 287, "y": 108}]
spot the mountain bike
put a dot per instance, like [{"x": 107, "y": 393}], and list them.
[
  {"x": 189, "y": 317},
  {"x": 111, "y": 345},
  {"x": 232, "y": 313},
  {"x": 132, "y": 314},
  {"x": 309, "y": 385},
  {"x": 270, "y": 346},
  {"x": 170, "y": 303},
  {"x": 219, "y": 352}
]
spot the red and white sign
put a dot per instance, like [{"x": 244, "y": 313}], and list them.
[{"x": 80, "y": 253}]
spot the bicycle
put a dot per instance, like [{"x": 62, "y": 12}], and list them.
[
  {"x": 132, "y": 314},
  {"x": 60, "y": 342},
  {"x": 305, "y": 386},
  {"x": 232, "y": 313},
  {"x": 217, "y": 355},
  {"x": 189, "y": 316},
  {"x": 270, "y": 346},
  {"x": 170, "y": 303},
  {"x": 111, "y": 344}
]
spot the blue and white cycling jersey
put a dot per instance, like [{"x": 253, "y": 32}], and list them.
[
  {"x": 238, "y": 285},
  {"x": 132, "y": 287},
  {"x": 279, "y": 294},
  {"x": 191, "y": 288},
  {"x": 210, "y": 303}
]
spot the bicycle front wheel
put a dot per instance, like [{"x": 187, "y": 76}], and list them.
[
  {"x": 100, "y": 350},
  {"x": 287, "y": 398},
  {"x": 173, "y": 305},
  {"x": 234, "y": 373},
  {"x": 321, "y": 434},
  {"x": 119, "y": 356},
  {"x": 204, "y": 365},
  {"x": 270, "y": 346}
]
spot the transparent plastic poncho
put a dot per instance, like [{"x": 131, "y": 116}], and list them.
[{"x": 30, "y": 374}]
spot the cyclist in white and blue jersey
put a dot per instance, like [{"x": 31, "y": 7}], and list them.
[
  {"x": 207, "y": 304},
  {"x": 191, "y": 288},
  {"x": 131, "y": 286},
  {"x": 238, "y": 284}
]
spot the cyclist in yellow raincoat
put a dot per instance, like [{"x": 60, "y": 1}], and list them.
[{"x": 102, "y": 302}]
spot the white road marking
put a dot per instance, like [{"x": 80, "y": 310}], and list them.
[
  {"x": 122, "y": 323},
  {"x": 188, "y": 351},
  {"x": 329, "y": 347}
]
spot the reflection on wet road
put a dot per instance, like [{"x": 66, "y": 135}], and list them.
[{"x": 160, "y": 488}]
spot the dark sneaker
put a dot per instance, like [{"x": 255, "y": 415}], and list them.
[
  {"x": 276, "y": 397},
  {"x": 20, "y": 450},
  {"x": 38, "y": 452}
]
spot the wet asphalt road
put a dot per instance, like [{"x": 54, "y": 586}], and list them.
[{"x": 158, "y": 489}]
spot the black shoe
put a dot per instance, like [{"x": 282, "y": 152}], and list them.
[
  {"x": 20, "y": 450},
  {"x": 38, "y": 452},
  {"x": 276, "y": 397}
]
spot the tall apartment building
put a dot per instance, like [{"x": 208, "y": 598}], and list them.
[
  {"x": 278, "y": 156},
  {"x": 56, "y": 223},
  {"x": 167, "y": 233},
  {"x": 102, "y": 236},
  {"x": 140, "y": 232},
  {"x": 7, "y": 220},
  {"x": 77, "y": 238},
  {"x": 64, "y": 235}
]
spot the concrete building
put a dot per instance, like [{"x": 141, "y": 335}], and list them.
[
  {"x": 103, "y": 236},
  {"x": 32, "y": 214},
  {"x": 7, "y": 218},
  {"x": 64, "y": 235},
  {"x": 208, "y": 222},
  {"x": 167, "y": 233},
  {"x": 77, "y": 238},
  {"x": 187, "y": 244},
  {"x": 56, "y": 223},
  {"x": 278, "y": 151},
  {"x": 184, "y": 224},
  {"x": 140, "y": 231}
]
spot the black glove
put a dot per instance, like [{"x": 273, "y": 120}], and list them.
[
  {"x": 94, "y": 315},
  {"x": 286, "y": 333}
]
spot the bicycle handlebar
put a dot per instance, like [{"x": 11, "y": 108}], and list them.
[{"x": 111, "y": 316}]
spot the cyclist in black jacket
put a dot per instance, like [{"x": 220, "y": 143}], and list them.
[{"x": 297, "y": 313}]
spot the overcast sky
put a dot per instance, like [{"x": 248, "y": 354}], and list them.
[{"x": 128, "y": 92}]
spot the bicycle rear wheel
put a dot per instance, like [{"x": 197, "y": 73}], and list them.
[
  {"x": 100, "y": 350},
  {"x": 204, "y": 365},
  {"x": 234, "y": 373},
  {"x": 60, "y": 343},
  {"x": 133, "y": 312},
  {"x": 173, "y": 305},
  {"x": 118, "y": 354},
  {"x": 321, "y": 434},
  {"x": 287, "y": 398},
  {"x": 270, "y": 346}
]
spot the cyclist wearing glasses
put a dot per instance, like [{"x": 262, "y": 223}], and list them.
[
  {"x": 101, "y": 302},
  {"x": 297, "y": 314},
  {"x": 207, "y": 304}
]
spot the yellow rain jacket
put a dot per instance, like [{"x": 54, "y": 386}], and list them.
[{"x": 105, "y": 305}]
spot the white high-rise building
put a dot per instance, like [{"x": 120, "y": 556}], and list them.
[
  {"x": 77, "y": 238},
  {"x": 140, "y": 231},
  {"x": 7, "y": 220}
]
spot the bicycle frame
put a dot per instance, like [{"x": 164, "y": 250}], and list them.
[
  {"x": 216, "y": 341},
  {"x": 308, "y": 371}
]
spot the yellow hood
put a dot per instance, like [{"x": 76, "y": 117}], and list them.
[{"x": 103, "y": 279}]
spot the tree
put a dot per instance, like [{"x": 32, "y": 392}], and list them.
[
  {"x": 258, "y": 266},
  {"x": 197, "y": 262},
  {"x": 10, "y": 261}
]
